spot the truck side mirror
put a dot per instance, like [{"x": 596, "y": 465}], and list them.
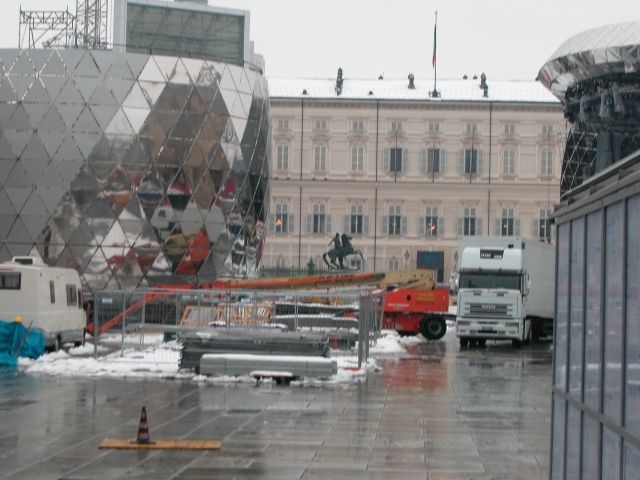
[{"x": 453, "y": 285}]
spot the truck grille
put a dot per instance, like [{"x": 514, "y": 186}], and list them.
[{"x": 489, "y": 310}]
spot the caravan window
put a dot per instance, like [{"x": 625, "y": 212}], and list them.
[
  {"x": 72, "y": 295},
  {"x": 10, "y": 280},
  {"x": 52, "y": 291}
]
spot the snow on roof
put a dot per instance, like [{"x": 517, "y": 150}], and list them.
[
  {"x": 608, "y": 36},
  {"x": 450, "y": 90}
]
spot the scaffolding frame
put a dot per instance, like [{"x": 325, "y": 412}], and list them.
[
  {"x": 46, "y": 28},
  {"x": 92, "y": 24},
  {"x": 579, "y": 160},
  {"x": 88, "y": 28}
]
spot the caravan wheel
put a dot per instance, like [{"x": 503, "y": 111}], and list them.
[{"x": 80, "y": 343}]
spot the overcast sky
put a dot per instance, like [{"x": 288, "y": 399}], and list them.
[{"x": 506, "y": 39}]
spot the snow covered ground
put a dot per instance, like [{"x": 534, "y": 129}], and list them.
[{"x": 159, "y": 360}]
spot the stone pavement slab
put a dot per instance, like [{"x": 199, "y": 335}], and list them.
[{"x": 438, "y": 414}]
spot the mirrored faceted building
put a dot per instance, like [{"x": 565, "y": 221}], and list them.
[{"x": 136, "y": 168}]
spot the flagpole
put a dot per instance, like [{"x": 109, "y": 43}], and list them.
[{"x": 435, "y": 59}]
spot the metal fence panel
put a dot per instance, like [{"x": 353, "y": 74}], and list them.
[{"x": 141, "y": 319}]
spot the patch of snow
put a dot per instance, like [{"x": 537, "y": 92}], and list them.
[
  {"x": 412, "y": 339},
  {"x": 389, "y": 89},
  {"x": 161, "y": 360},
  {"x": 388, "y": 343},
  {"x": 86, "y": 349}
]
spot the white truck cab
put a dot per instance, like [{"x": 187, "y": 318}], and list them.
[
  {"x": 45, "y": 298},
  {"x": 494, "y": 291}
]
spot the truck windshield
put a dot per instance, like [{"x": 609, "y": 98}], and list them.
[{"x": 510, "y": 281}]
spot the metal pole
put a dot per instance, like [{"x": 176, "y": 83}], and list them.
[
  {"x": 300, "y": 228},
  {"x": 124, "y": 302},
  {"x": 435, "y": 60},
  {"x": 433, "y": 161},
  {"x": 375, "y": 227},
  {"x": 301, "y": 134},
  {"x": 144, "y": 307},
  {"x": 96, "y": 325},
  {"x": 395, "y": 158},
  {"x": 473, "y": 134},
  {"x": 212, "y": 317},
  {"x": 490, "y": 136},
  {"x": 360, "y": 331},
  {"x": 177, "y": 316},
  {"x": 228, "y": 310},
  {"x": 295, "y": 320},
  {"x": 377, "y": 133},
  {"x": 254, "y": 314},
  {"x": 367, "y": 327},
  {"x": 488, "y": 212},
  {"x": 199, "y": 312}
]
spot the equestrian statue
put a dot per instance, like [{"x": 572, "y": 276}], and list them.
[{"x": 341, "y": 249}]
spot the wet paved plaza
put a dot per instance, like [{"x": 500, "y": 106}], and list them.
[{"x": 439, "y": 414}]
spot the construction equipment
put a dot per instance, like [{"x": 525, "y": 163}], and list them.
[{"x": 410, "y": 311}]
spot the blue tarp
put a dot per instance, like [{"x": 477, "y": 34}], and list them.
[{"x": 13, "y": 337}]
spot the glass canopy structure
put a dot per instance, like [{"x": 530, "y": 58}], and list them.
[{"x": 596, "y": 74}]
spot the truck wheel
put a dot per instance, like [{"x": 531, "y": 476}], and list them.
[
  {"x": 482, "y": 342},
  {"x": 464, "y": 342},
  {"x": 433, "y": 327},
  {"x": 515, "y": 343},
  {"x": 535, "y": 332},
  {"x": 57, "y": 343}
]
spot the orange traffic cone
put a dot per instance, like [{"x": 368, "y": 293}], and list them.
[{"x": 143, "y": 428}]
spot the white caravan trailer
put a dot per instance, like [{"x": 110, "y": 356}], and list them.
[{"x": 48, "y": 299}]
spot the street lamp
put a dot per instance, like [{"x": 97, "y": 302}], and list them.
[
  {"x": 406, "y": 259},
  {"x": 473, "y": 158},
  {"x": 395, "y": 158}
]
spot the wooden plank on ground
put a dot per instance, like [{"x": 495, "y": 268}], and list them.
[{"x": 165, "y": 444}]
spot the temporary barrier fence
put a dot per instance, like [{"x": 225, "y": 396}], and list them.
[{"x": 141, "y": 319}]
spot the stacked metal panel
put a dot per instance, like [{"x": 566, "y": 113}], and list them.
[
  {"x": 269, "y": 365},
  {"x": 257, "y": 342},
  {"x": 291, "y": 308},
  {"x": 314, "y": 321}
]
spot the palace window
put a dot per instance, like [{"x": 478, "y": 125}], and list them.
[
  {"x": 320, "y": 156},
  {"x": 282, "y": 157},
  {"x": 320, "y": 124},
  {"x": 509, "y": 162},
  {"x": 431, "y": 160},
  {"x": 546, "y": 163},
  {"x": 357, "y": 158}
]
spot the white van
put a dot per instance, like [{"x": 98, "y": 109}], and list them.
[{"x": 48, "y": 299}]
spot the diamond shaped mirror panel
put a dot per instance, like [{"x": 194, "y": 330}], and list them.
[{"x": 134, "y": 169}]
